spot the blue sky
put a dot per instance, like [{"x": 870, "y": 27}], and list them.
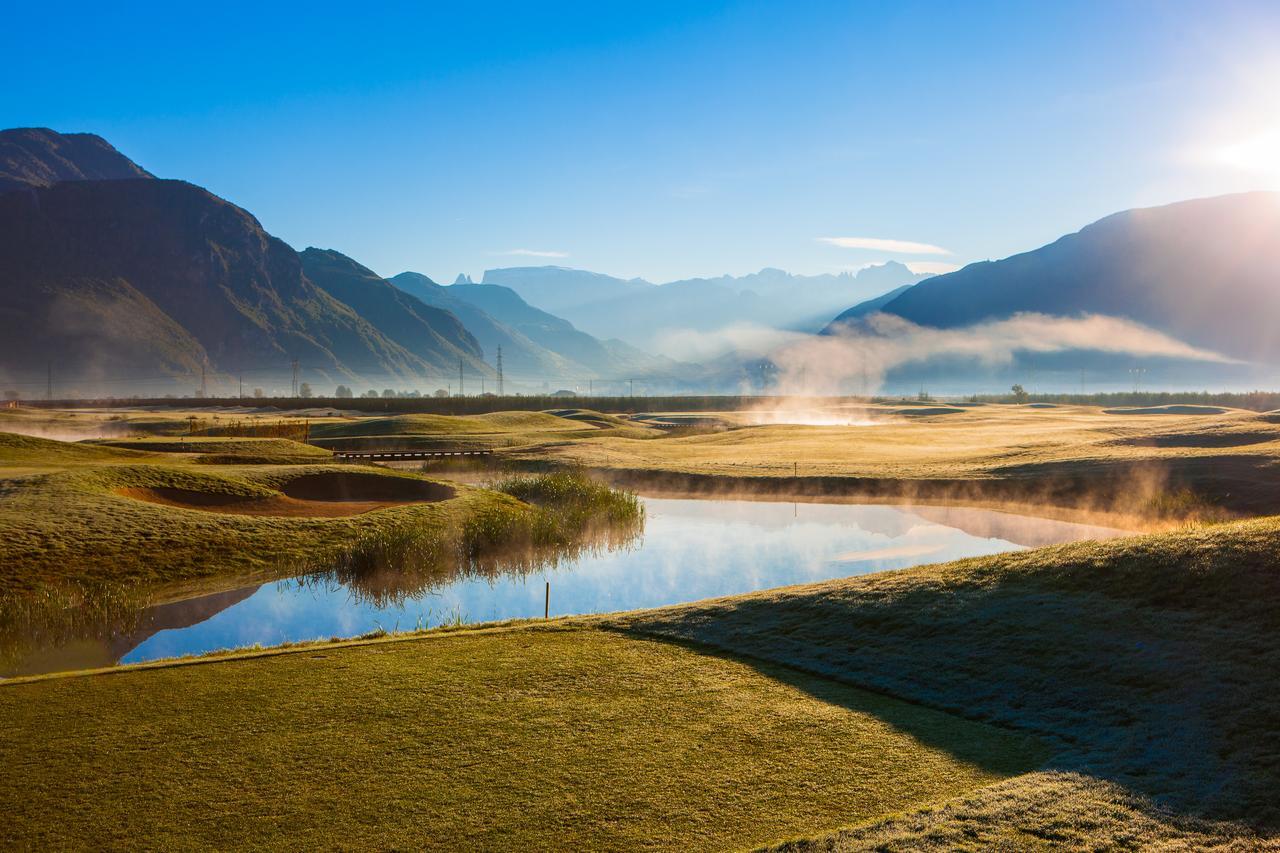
[{"x": 667, "y": 140}]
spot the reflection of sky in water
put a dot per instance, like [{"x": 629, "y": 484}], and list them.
[{"x": 692, "y": 549}]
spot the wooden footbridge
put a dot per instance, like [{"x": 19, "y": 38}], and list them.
[{"x": 392, "y": 455}]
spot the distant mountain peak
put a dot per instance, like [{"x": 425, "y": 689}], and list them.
[
  {"x": 40, "y": 157},
  {"x": 463, "y": 278}
]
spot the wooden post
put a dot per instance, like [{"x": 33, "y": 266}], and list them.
[{"x": 546, "y": 606}]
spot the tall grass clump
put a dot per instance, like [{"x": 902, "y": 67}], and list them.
[
  {"x": 59, "y": 613},
  {"x": 572, "y": 503},
  {"x": 533, "y": 523}
]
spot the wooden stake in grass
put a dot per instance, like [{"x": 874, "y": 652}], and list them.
[{"x": 546, "y": 605}]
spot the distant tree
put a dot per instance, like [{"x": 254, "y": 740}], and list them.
[
  {"x": 1019, "y": 393},
  {"x": 343, "y": 392},
  {"x": 388, "y": 392},
  {"x": 257, "y": 392},
  {"x": 12, "y": 395},
  {"x": 370, "y": 393},
  {"x": 440, "y": 392},
  {"x": 304, "y": 390},
  {"x": 414, "y": 394}
]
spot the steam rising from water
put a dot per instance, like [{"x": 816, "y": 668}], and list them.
[{"x": 856, "y": 359}]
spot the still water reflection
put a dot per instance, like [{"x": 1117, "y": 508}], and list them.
[{"x": 691, "y": 549}]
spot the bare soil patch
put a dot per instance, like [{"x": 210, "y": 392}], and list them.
[{"x": 328, "y": 495}]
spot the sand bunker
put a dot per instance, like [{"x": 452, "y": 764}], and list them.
[
  {"x": 1168, "y": 410},
  {"x": 329, "y": 495}
]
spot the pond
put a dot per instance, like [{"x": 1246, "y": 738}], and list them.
[{"x": 690, "y": 550}]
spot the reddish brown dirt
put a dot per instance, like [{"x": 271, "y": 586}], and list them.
[{"x": 308, "y": 496}]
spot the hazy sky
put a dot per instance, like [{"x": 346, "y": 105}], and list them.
[{"x": 667, "y": 140}]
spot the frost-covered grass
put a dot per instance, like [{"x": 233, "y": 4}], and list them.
[{"x": 1151, "y": 662}]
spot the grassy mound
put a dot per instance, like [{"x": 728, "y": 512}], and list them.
[
  {"x": 72, "y": 526},
  {"x": 1152, "y": 661},
  {"x": 226, "y": 448},
  {"x": 26, "y": 449},
  {"x": 475, "y": 740},
  {"x": 445, "y": 425}
]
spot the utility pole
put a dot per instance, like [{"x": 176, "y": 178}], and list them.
[
  {"x": 461, "y": 392},
  {"x": 203, "y": 387},
  {"x": 632, "y": 383},
  {"x": 501, "y": 390},
  {"x": 295, "y": 378}
]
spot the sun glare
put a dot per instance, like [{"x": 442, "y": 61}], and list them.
[{"x": 1258, "y": 154}]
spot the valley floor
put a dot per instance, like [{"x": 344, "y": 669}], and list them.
[{"x": 1115, "y": 694}]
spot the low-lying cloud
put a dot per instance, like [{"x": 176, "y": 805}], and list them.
[
  {"x": 535, "y": 253},
  {"x": 861, "y": 356},
  {"x": 880, "y": 244},
  {"x": 932, "y": 267}
]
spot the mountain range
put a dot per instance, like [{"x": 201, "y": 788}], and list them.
[
  {"x": 115, "y": 280},
  {"x": 1204, "y": 271},
  {"x": 646, "y": 315}
]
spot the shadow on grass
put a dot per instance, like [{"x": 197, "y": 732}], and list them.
[
  {"x": 995, "y": 750},
  {"x": 1149, "y": 662}
]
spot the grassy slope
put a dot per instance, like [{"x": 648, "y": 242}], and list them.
[
  {"x": 515, "y": 739},
  {"x": 1153, "y": 661},
  {"x": 1040, "y": 811}
]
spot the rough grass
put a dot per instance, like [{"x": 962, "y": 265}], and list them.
[
  {"x": 519, "y": 739},
  {"x": 1152, "y": 661}
]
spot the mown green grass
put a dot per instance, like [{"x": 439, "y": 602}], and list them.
[{"x": 519, "y": 739}]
